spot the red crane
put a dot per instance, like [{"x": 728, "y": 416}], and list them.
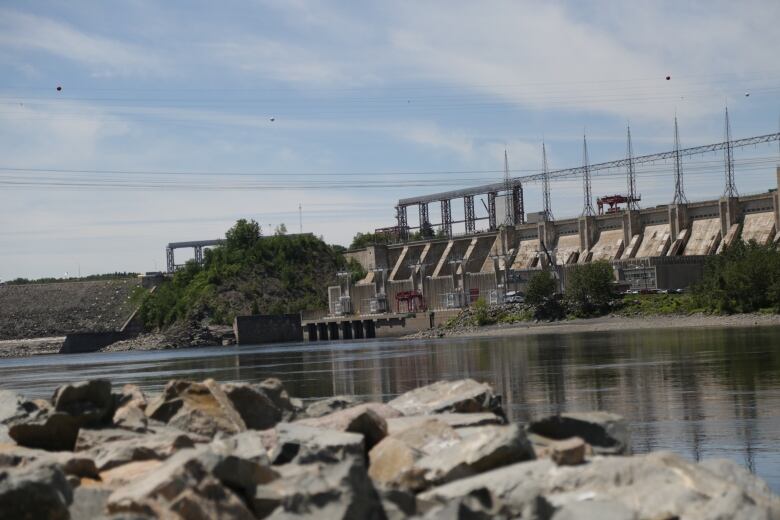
[{"x": 612, "y": 201}]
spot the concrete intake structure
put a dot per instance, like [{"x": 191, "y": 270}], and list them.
[{"x": 671, "y": 240}]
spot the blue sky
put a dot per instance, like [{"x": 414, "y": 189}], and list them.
[{"x": 162, "y": 131}]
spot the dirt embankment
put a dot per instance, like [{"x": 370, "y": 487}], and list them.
[{"x": 56, "y": 309}]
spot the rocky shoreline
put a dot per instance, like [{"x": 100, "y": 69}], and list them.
[{"x": 207, "y": 450}]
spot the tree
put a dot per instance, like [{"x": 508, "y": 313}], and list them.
[
  {"x": 243, "y": 235},
  {"x": 589, "y": 287},
  {"x": 540, "y": 287},
  {"x": 281, "y": 229},
  {"x": 362, "y": 240},
  {"x": 745, "y": 277}
]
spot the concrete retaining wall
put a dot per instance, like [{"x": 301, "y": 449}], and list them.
[
  {"x": 259, "y": 329},
  {"x": 83, "y": 342}
]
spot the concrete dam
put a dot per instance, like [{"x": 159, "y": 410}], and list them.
[{"x": 660, "y": 247}]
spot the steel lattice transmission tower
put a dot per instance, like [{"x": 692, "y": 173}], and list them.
[
  {"x": 587, "y": 210},
  {"x": 633, "y": 200},
  {"x": 679, "y": 189},
  {"x": 547, "y": 209},
  {"x": 508, "y": 220},
  {"x": 728, "y": 156}
]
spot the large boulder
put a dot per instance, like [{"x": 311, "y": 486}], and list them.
[
  {"x": 606, "y": 432},
  {"x": 193, "y": 483},
  {"x": 462, "y": 396},
  {"x": 394, "y": 456},
  {"x": 340, "y": 490},
  {"x": 294, "y": 442},
  {"x": 41, "y": 491},
  {"x": 367, "y": 419},
  {"x": 130, "y": 405},
  {"x": 76, "y": 464},
  {"x": 91, "y": 401},
  {"x": 201, "y": 408},
  {"x": 493, "y": 447},
  {"x": 74, "y": 406},
  {"x": 656, "y": 485},
  {"x": 256, "y": 409},
  {"x": 291, "y": 407},
  {"x": 112, "y": 447}
]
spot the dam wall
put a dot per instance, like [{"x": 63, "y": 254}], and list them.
[{"x": 689, "y": 231}]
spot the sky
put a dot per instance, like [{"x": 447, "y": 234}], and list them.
[{"x": 175, "y": 119}]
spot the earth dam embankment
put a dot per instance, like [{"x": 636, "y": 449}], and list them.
[{"x": 56, "y": 309}]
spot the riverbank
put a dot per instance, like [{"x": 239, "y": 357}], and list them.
[
  {"x": 604, "y": 323},
  {"x": 241, "y": 450},
  {"x": 200, "y": 336}
]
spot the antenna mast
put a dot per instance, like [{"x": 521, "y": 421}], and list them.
[
  {"x": 587, "y": 210},
  {"x": 679, "y": 190}
]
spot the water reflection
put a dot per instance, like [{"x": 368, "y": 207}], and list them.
[{"x": 703, "y": 393}]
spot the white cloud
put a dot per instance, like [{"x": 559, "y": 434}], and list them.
[{"x": 104, "y": 56}]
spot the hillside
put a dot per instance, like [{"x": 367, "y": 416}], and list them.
[
  {"x": 250, "y": 274},
  {"x": 55, "y": 309}
]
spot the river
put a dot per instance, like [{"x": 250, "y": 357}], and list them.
[{"x": 703, "y": 393}]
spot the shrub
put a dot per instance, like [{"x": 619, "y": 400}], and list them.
[
  {"x": 541, "y": 287},
  {"x": 481, "y": 312},
  {"x": 589, "y": 288}
]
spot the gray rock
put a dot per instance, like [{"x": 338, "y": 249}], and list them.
[
  {"x": 455, "y": 420},
  {"x": 246, "y": 445},
  {"x": 331, "y": 404},
  {"x": 201, "y": 408},
  {"x": 130, "y": 407},
  {"x": 56, "y": 431},
  {"x": 294, "y": 442},
  {"x": 462, "y": 396},
  {"x": 255, "y": 407},
  {"x": 477, "y": 505},
  {"x": 398, "y": 504},
  {"x": 12, "y": 405},
  {"x": 367, "y": 419},
  {"x": 77, "y": 405},
  {"x": 656, "y": 485},
  {"x": 274, "y": 389},
  {"x": 595, "y": 510},
  {"x": 131, "y": 418},
  {"x": 732, "y": 472},
  {"x": 494, "y": 447},
  {"x": 185, "y": 483},
  {"x": 88, "y": 503},
  {"x": 41, "y": 491},
  {"x": 606, "y": 432},
  {"x": 91, "y": 401},
  {"x": 335, "y": 491},
  {"x": 115, "y": 447},
  {"x": 76, "y": 464},
  {"x": 397, "y": 454}
]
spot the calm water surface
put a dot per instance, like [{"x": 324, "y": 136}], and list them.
[{"x": 701, "y": 393}]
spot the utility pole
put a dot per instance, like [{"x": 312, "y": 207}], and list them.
[
  {"x": 728, "y": 156},
  {"x": 679, "y": 189},
  {"x": 633, "y": 201},
  {"x": 587, "y": 210},
  {"x": 300, "y": 218},
  {"x": 547, "y": 206}
]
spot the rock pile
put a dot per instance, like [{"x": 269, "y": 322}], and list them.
[{"x": 207, "y": 450}]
